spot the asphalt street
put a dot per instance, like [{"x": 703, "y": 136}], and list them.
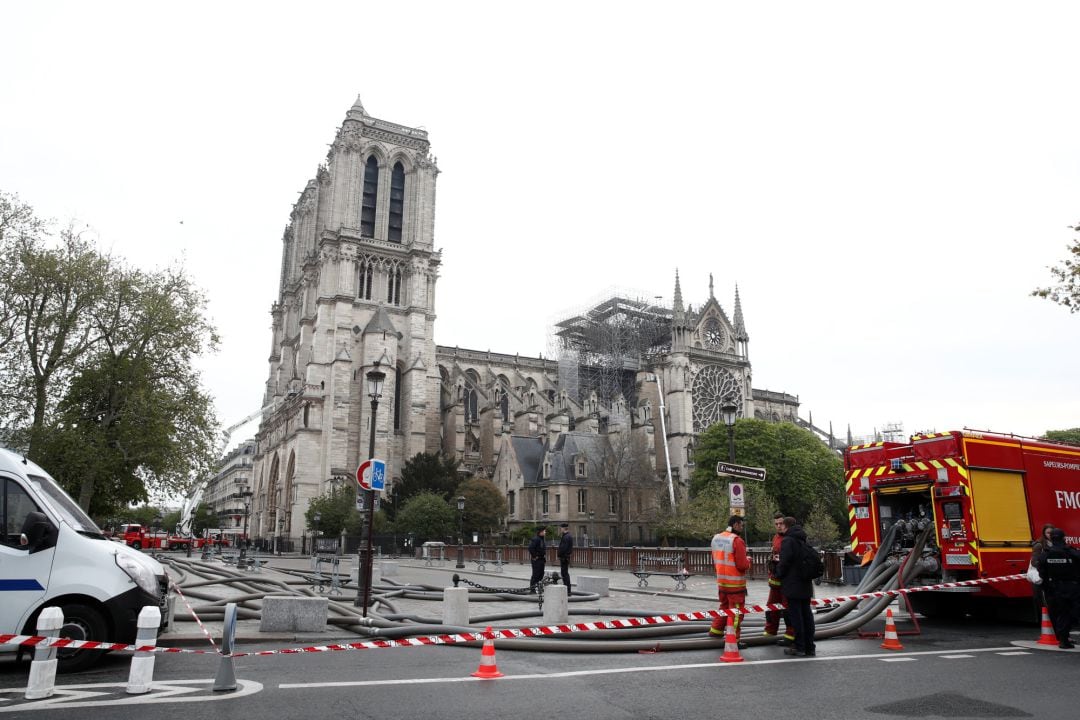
[{"x": 961, "y": 669}]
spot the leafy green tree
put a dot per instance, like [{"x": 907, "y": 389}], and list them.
[
  {"x": 485, "y": 506},
  {"x": 695, "y": 521},
  {"x": 337, "y": 512},
  {"x": 1067, "y": 274},
  {"x": 1070, "y": 437},
  {"x": 50, "y": 297},
  {"x": 801, "y": 471},
  {"x": 134, "y": 418},
  {"x": 96, "y": 366},
  {"x": 424, "y": 472},
  {"x": 428, "y": 516}
]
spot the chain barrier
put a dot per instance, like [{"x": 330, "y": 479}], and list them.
[{"x": 550, "y": 579}]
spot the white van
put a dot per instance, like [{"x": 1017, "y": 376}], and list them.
[{"x": 52, "y": 554}]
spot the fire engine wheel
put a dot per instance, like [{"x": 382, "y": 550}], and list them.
[
  {"x": 137, "y": 545},
  {"x": 81, "y": 622}
]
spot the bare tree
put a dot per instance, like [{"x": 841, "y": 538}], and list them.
[{"x": 629, "y": 474}]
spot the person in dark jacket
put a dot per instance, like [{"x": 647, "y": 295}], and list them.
[
  {"x": 538, "y": 556},
  {"x": 1059, "y": 568},
  {"x": 1038, "y": 549},
  {"x": 796, "y": 590},
  {"x": 566, "y": 549}
]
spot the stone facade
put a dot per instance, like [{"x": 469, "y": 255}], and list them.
[{"x": 357, "y": 291}]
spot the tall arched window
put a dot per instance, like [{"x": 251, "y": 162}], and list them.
[
  {"x": 364, "y": 282},
  {"x": 397, "y": 398},
  {"x": 397, "y": 202},
  {"x": 393, "y": 286},
  {"x": 371, "y": 193},
  {"x": 471, "y": 414}
]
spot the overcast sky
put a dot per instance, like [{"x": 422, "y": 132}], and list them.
[{"x": 885, "y": 182}]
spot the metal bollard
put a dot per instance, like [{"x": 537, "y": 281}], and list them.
[
  {"x": 226, "y": 676},
  {"x": 141, "y": 675},
  {"x": 43, "y": 672}
]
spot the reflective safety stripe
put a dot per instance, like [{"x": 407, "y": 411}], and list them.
[{"x": 728, "y": 577}]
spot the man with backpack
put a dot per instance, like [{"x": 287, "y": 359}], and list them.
[
  {"x": 796, "y": 570},
  {"x": 776, "y": 596}
]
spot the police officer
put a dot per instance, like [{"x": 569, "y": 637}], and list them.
[
  {"x": 1059, "y": 568},
  {"x": 538, "y": 557}
]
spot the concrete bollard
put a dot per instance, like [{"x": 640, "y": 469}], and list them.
[
  {"x": 42, "y": 681},
  {"x": 225, "y": 681},
  {"x": 556, "y": 605},
  {"x": 456, "y": 606},
  {"x": 141, "y": 675}
]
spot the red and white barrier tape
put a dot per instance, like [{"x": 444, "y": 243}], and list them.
[
  {"x": 191, "y": 610},
  {"x": 541, "y": 631}
]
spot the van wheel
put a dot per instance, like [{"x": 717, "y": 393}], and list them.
[
  {"x": 137, "y": 545},
  {"x": 81, "y": 622}
]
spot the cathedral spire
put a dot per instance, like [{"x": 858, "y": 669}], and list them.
[
  {"x": 359, "y": 106},
  {"x": 711, "y": 295},
  {"x": 740, "y": 326},
  {"x": 678, "y": 308}
]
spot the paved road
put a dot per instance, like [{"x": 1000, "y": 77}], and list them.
[{"x": 959, "y": 670}]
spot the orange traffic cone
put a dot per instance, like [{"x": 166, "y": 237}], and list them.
[
  {"x": 1047, "y": 636},
  {"x": 488, "y": 669},
  {"x": 892, "y": 641},
  {"x": 731, "y": 643}
]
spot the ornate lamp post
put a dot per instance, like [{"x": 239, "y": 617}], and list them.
[
  {"x": 375, "y": 378},
  {"x": 592, "y": 538},
  {"x": 314, "y": 538},
  {"x": 277, "y": 538},
  {"x": 728, "y": 413},
  {"x": 461, "y": 533}
]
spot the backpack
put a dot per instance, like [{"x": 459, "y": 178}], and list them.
[{"x": 809, "y": 564}]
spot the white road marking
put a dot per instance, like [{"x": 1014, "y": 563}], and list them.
[
  {"x": 80, "y": 696},
  {"x": 896, "y": 659},
  {"x": 617, "y": 671},
  {"x": 956, "y": 657},
  {"x": 1015, "y": 652}
]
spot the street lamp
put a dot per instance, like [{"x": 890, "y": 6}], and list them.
[
  {"x": 461, "y": 534},
  {"x": 245, "y": 496},
  {"x": 316, "y": 517},
  {"x": 728, "y": 413},
  {"x": 375, "y": 378},
  {"x": 592, "y": 537},
  {"x": 277, "y": 538}
]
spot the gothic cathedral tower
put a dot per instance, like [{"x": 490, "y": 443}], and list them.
[{"x": 357, "y": 289}]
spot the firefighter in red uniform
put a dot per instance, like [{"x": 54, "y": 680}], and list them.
[
  {"x": 731, "y": 563},
  {"x": 776, "y": 596}
]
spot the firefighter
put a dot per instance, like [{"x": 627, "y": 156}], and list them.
[
  {"x": 776, "y": 595},
  {"x": 1059, "y": 568},
  {"x": 731, "y": 563}
]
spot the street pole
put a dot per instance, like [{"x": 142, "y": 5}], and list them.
[
  {"x": 461, "y": 533},
  {"x": 375, "y": 378}
]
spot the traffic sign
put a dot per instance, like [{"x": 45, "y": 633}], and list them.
[
  {"x": 750, "y": 473},
  {"x": 736, "y": 495},
  {"x": 371, "y": 475}
]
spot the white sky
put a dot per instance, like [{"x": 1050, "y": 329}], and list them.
[{"x": 884, "y": 182}]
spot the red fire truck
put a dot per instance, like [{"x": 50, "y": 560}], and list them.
[
  {"x": 142, "y": 538},
  {"x": 987, "y": 495}
]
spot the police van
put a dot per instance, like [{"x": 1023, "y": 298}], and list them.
[{"x": 52, "y": 554}]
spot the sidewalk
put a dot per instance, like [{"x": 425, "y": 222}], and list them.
[{"x": 659, "y": 598}]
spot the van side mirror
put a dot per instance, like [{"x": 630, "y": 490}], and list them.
[{"x": 37, "y": 532}]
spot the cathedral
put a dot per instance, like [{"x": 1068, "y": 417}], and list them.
[{"x": 564, "y": 438}]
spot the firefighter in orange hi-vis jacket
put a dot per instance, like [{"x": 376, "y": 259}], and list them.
[
  {"x": 776, "y": 596},
  {"x": 731, "y": 563}
]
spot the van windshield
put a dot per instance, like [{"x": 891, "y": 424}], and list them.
[{"x": 62, "y": 504}]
